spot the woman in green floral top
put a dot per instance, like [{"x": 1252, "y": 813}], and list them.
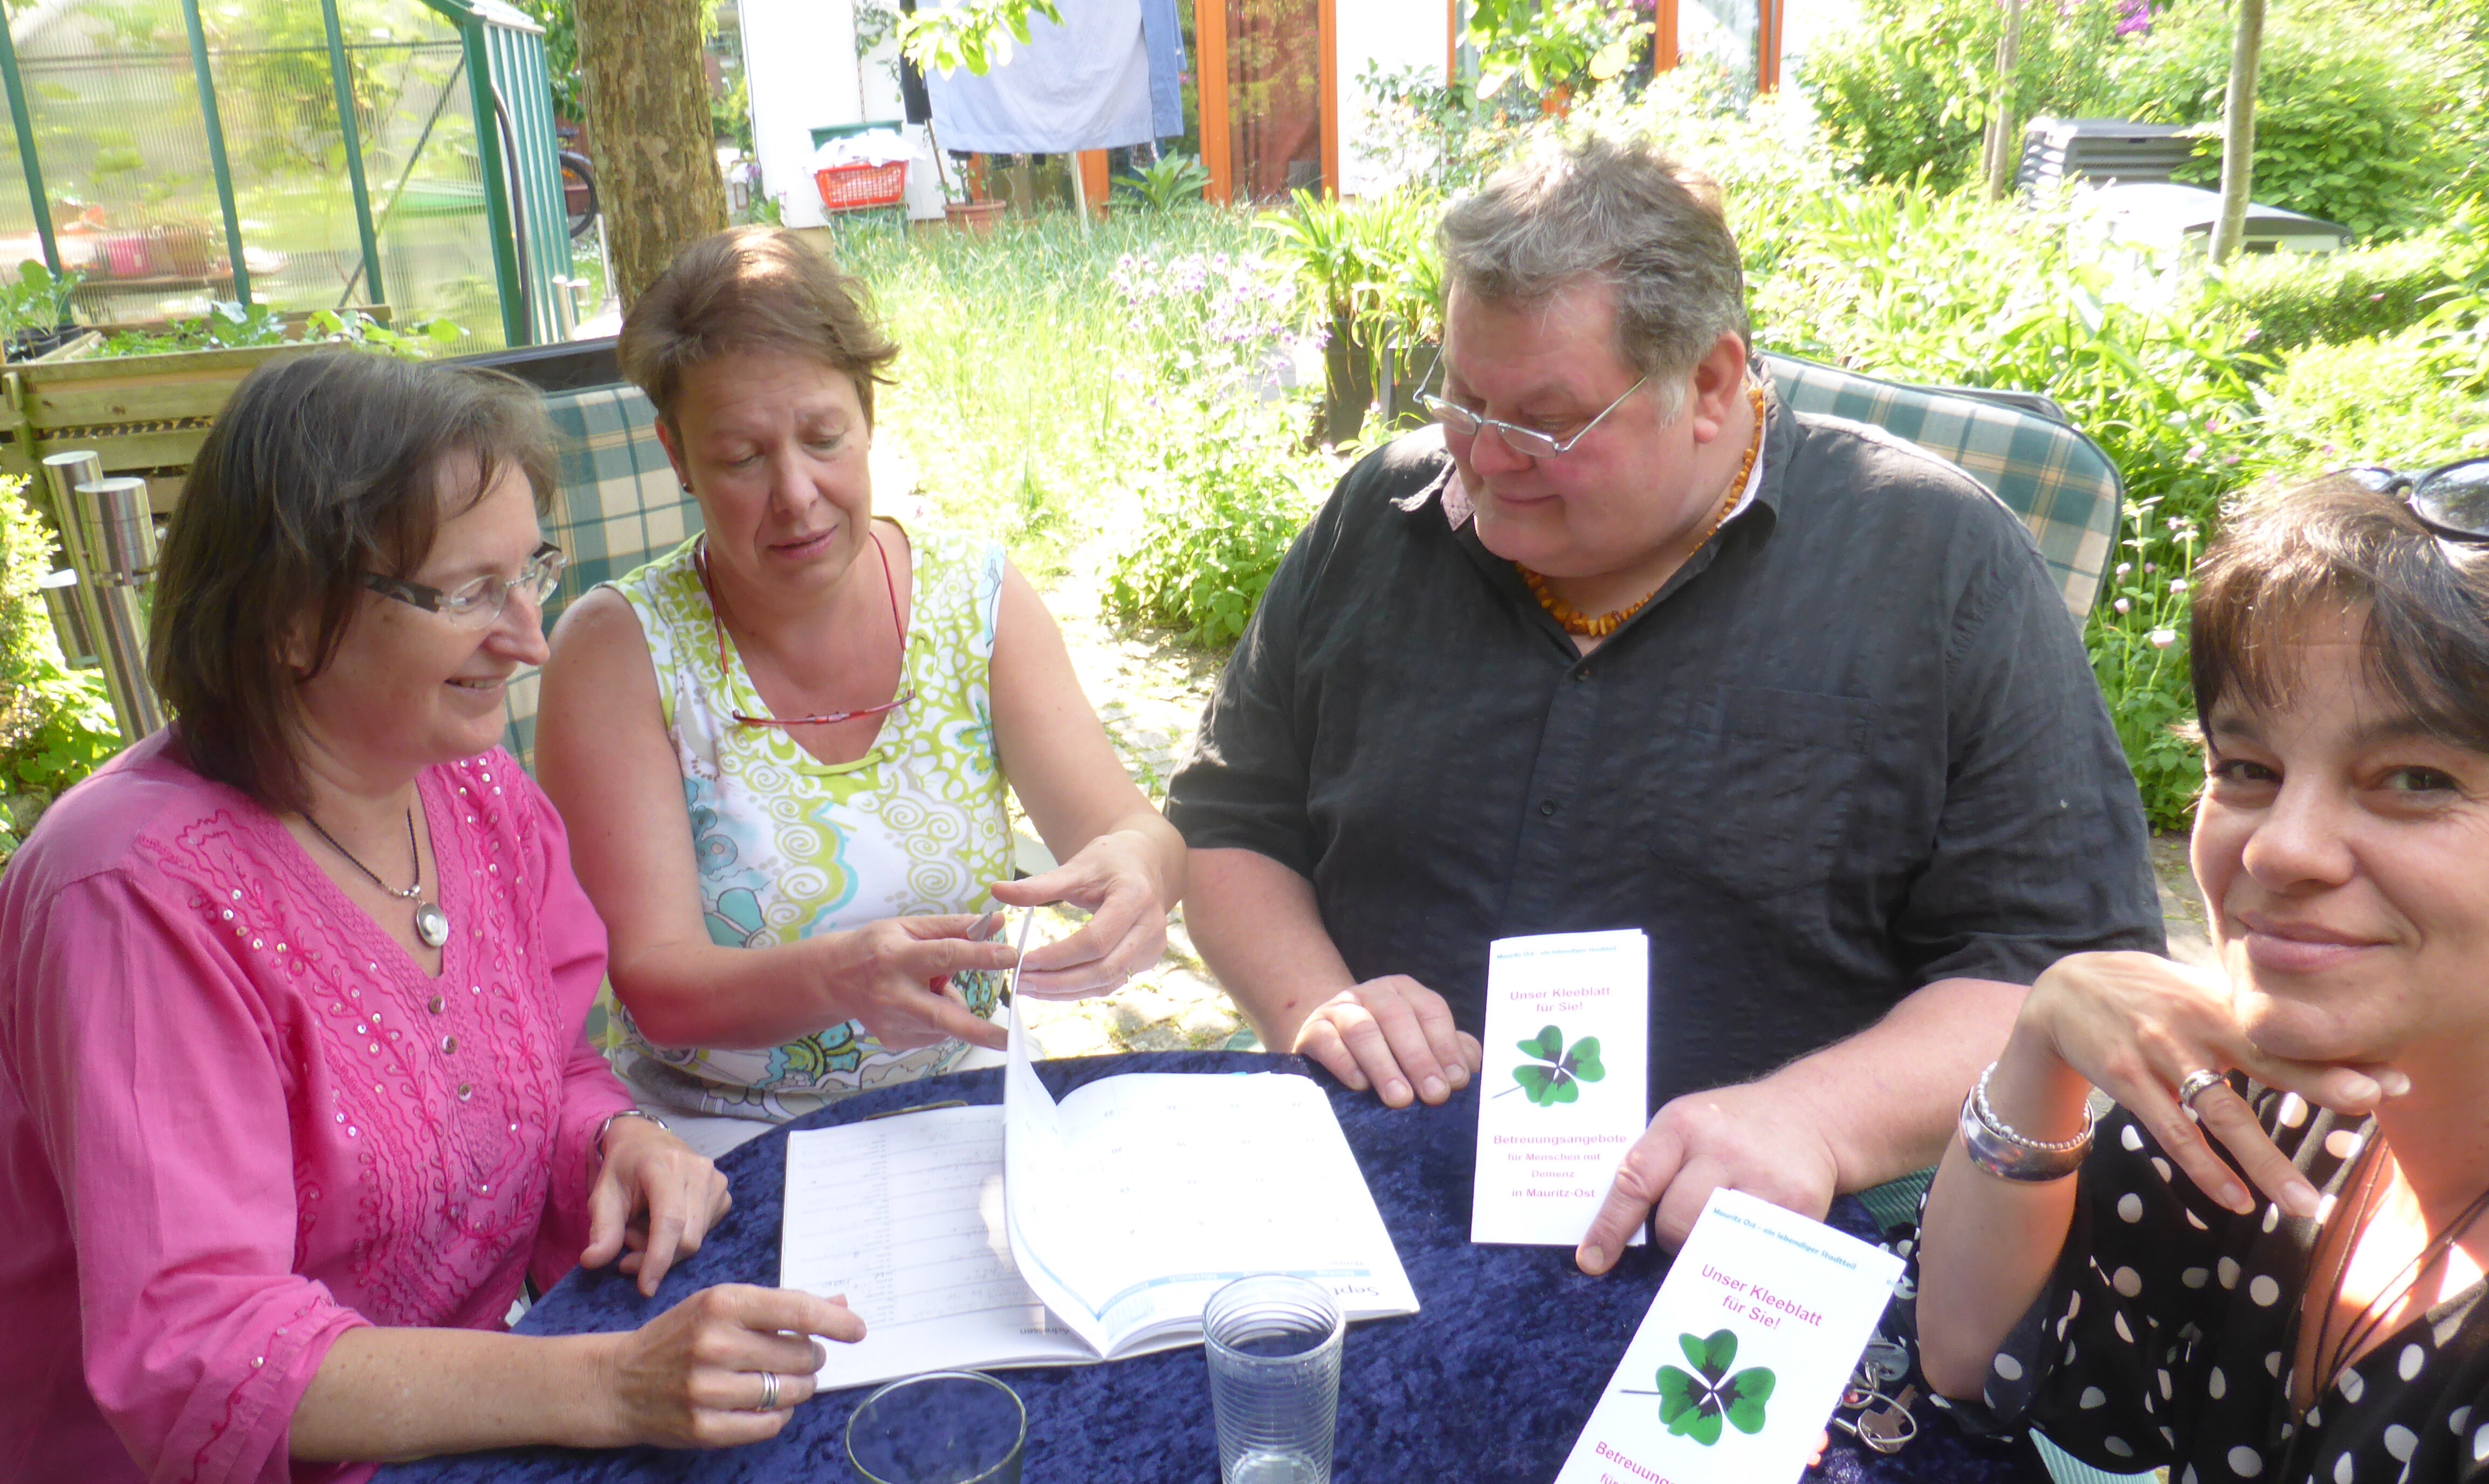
[{"x": 785, "y": 748}]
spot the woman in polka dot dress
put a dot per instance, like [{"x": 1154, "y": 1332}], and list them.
[{"x": 2154, "y": 1310}]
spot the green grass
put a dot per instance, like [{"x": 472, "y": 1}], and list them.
[{"x": 1024, "y": 381}]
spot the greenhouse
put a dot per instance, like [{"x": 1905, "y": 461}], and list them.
[{"x": 301, "y": 154}]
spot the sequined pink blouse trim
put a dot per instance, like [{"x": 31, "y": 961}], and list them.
[{"x": 237, "y": 1119}]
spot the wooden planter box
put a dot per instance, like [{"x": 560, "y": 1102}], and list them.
[{"x": 144, "y": 415}]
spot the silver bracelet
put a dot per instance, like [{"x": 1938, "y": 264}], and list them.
[
  {"x": 1998, "y": 1126},
  {"x": 2007, "y": 1155},
  {"x": 625, "y": 1113}
]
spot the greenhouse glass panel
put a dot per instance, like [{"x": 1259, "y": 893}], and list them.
[
  {"x": 157, "y": 184},
  {"x": 115, "y": 108},
  {"x": 418, "y": 121},
  {"x": 19, "y": 240},
  {"x": 278, "y": 106}
]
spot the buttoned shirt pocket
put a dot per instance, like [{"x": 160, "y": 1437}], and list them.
[{"x": 1757, "y": 798}]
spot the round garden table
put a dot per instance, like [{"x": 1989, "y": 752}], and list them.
[{"x": 1491, "y": 1381}]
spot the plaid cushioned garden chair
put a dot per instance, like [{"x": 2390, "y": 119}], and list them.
[
  {"x": 2021, "y": 446},
  {"x": 616, "y": 502},
  {"x": 2018, "y": 445}
]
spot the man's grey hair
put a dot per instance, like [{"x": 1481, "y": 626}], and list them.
[{"x": 1613, "y": 211}]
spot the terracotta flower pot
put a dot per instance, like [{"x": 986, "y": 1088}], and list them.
[{"x": 976, "y": 217}]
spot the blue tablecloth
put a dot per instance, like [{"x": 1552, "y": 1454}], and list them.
[{"x": 1491, "y": 1381}]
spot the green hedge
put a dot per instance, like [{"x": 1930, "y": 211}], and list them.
[
  {"x": 56, "y": 724},
  {"x": 2348, "y": 119},
  {"x": 1906, "y": 91},
  {"x": 2294, "y": 299}
]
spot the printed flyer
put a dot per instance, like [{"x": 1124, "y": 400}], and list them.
[
  {"x": 1743, "y": 1356},
  {"x": 1563, "y": 1091}
]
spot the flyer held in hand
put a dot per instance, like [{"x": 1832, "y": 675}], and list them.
[
  {"x": 1566, "y": 1077},
  {"x": 1743, "y": 1356}
]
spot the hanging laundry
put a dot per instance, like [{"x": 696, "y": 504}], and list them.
[
  {"x": 1163, "y": 37},
  {"x": 914, "y": 104},
  {"x": 1083, "y": 85}
]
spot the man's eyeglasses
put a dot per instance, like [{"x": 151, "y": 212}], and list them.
[
  {"x": 477, "y": 604},
  {"x": 2452, "y": 500},
  {"x": 1528, "y": 442}
]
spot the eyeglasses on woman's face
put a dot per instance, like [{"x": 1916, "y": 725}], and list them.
[
  {"x": 2452, "y": 500},
  {"x": 478, "y": 604}
]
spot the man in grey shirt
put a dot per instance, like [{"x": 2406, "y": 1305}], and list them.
[{"x": 1624, "y": 643}]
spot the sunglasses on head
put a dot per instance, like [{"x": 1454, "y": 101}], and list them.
[{"x": 2452, "y": 500}]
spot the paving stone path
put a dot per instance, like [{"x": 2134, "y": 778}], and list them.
[{"x": 1149, "y": 690}]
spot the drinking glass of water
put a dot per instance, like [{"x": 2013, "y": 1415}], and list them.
[
  {"x": 1274, "y": 1346},
  {"x": 951, "y": 1427}
]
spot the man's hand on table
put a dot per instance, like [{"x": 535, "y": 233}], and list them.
[
  {"x": 1393, "y": 1035},
  {"x": 1759, "y": 1137}
]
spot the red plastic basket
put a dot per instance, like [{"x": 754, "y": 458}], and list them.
[{"x": 858, "y": 187}]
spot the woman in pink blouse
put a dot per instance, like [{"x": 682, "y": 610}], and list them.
[{"x": 294, "y": 1095}]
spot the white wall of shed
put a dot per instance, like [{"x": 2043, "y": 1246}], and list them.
[{"x": 801, "y": 59}]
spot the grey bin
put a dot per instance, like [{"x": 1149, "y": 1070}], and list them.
[
  {"x": 2127, "y": 172},
  {"x": 2165, "y": 215},
  {"x": 2099, "y": 152}
]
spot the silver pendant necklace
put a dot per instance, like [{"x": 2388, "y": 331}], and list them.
[{"x": 431, "y": 923}]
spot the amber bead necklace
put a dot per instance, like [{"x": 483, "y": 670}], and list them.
[{"x": 1573, "y": 621}]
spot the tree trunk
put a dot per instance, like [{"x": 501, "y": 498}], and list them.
[
  {"x": 647, "y": 86},
  {"x": 2003, "y": 141},
  {"x": 2237, "y": 131}
]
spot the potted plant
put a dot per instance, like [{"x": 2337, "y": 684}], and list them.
[
  {"x": 965, "y": 207},
  {"x": 34, "y": 311},
  {"x": 965, "y": 210}
]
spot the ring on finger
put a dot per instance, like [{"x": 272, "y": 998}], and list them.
[
  {"x": 2195, "y": 1084},
  {"x": 768, "y": 1392}
]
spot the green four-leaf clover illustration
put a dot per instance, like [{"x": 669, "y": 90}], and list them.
[
  {"x": 1553, "y": 1083},
  {"x": 1692, "y": 1405}
]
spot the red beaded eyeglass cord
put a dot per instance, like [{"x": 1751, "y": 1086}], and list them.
[{"x": 906, "y": 694}]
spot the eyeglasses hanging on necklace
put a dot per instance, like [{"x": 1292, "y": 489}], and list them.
[{"x": 889, "y": 585}]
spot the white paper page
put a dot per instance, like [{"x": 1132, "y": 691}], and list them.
[
  {"x": 1758, "y": 1326},
  {"x": 1192, "y": 1182},
  {"x": 1568, "y": 1048},
  {"x": 1048, "y": 1219},
  {"x": 1141, "y": 1195},
  {"x": 903, "y": 1216}
]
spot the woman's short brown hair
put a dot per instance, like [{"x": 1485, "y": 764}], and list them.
[
  {"x": 2336, "y": 547},
  {"x": 320, "y": 472},
  {"x": 751, "y": 289}
]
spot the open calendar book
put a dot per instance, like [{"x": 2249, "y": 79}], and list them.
[{"x": 1041, "y": 1233}]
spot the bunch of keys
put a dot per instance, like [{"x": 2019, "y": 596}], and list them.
[{"x": 1883, "y": 1422}]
